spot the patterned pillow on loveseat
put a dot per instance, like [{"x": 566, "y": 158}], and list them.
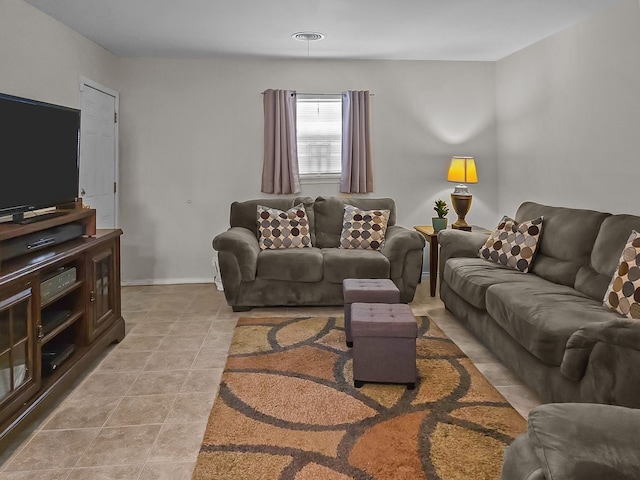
[
  {"x": 280, "y": 229},
  {"x": 363, "y": 229}
]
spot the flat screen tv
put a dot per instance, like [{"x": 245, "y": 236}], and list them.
[{"x": 39, "y": 156}]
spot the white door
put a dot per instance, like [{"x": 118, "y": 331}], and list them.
[{"x": 98, "y": 153}]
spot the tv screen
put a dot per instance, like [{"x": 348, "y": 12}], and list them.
[{"x": 39, "y": 154}]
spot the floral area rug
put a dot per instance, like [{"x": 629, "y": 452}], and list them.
[{"x": 287, "y": 409}]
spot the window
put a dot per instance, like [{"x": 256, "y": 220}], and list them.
[{"x": 319, "y": 125}]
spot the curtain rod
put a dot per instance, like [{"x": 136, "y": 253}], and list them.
[{"x": 320, "y": 94}]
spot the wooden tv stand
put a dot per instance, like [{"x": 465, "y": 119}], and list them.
[{"x": 70, "y": 319}]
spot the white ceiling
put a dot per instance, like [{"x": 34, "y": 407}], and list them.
[{"x": 355, "y": 29}]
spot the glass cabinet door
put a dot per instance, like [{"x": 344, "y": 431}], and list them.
[
  {"x": 17, "y": 346},
  {"x": 101, "y": 294}
]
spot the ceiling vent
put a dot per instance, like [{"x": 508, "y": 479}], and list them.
[{"x": 307, "y": 36}]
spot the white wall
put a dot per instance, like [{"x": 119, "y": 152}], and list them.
[
  {"x": 191, "y": 143},
  {"x": 568, "y": 111},
  {"x": 40, "y": 58}
]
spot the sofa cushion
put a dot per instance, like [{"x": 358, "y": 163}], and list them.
[
  {"x": 582, "y": 441},
  {"x": 594, "y": 278},
  {"x": 363, "y": 229},
  {"x": 566, "y": 242},
  {"x": 623, "y": 294},
  {"x": 299, "y": 265},
  {"x": 329, "y": 214},
  {"x": 513, "y": 244},
  {"x": 470, "y": 278},
  {"x": 541, "y": 316},
  {"x": 340, "y": 264},
  {"x": 243, "y": 214},
  {"x": 278, "y": 229}
]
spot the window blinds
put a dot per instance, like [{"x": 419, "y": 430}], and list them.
[{"x": 319, "y": 127}]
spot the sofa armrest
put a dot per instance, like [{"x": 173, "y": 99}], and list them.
[
  {"x": 619, "y": 333},
  {"x": 520, "y": 461},
  {"x": 583, "y": 441},
  {"x": 459, "y": 243},
  {"x": 404, "y": 249},
  {"x": 397, "y": 242},
  {"x": 243, "y": 245}
]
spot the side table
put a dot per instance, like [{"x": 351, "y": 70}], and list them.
[{"x": 432, "y": 239}]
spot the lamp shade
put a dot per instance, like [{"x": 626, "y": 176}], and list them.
[{"x": 462, "y": 170}]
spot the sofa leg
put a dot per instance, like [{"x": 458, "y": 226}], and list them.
[
  {"x": 358, "y": 383},
  {"x": 350, "y": 344},
  {"x": 411, "y": 386},
  {"x": 237, "y": 308}
]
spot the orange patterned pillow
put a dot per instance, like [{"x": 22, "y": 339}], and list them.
[{"x": 623, "y": 294}]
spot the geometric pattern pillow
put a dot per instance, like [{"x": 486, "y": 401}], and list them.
[
  {"x": 278, "y": 229},
  {"x": 363, "y": 229},
  {"x": 623, "y": 294},
  {"x": 513, "y": 244}
]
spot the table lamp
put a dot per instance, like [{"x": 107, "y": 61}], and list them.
[{"x": 462, "y": 170}]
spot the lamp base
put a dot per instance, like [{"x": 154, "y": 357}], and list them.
[{"x": 461, "y": 205}]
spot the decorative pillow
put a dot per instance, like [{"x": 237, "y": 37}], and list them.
[
  {"x": 623, "y": 294},
  {"x": 278, "y": 229},
  {"x": 364, "y": 229},
  {"x": 513, "y": 244}
]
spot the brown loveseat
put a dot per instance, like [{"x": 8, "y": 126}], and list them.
[
  {"x": 252, "y": 277},
  {"x": 550, "y": 326}
]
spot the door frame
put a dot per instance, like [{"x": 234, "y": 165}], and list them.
[{"x": 86, "y": 82}]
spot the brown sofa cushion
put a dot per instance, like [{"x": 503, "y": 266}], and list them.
[
  {"x": 566, "y": 242},
  {"x": 470, "y": 278},
  {"x": 298, "y": 265},
  {"x": 340, "y": 264},
  {"x": 541, "y": 316}
]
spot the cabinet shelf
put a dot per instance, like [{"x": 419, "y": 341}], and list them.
[
  {"x": 80, "y": 321},
  {"x": 63, "y": 326},
  {"x": 54, "y": 377},
  {"x": 61, "y": 294}
]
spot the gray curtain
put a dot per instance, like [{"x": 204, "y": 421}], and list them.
[
  {"x": 357, "y": 166},
  {"x": 280, "y": 167}
]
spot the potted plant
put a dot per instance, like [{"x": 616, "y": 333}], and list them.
[{"x": 442, "y": 209}]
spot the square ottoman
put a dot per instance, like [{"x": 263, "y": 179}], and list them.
[
  {"x": 366, "y": 290},
  {"x": 384, "y": 344}
]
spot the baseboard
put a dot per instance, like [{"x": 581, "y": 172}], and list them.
[{"x": 165, "y": 281}]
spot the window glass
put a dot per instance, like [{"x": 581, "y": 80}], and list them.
[{"x": 319, "y": 126}]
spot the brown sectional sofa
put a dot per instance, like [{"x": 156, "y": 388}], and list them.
[
  {"x": 550, "y": 326},
  {"x": 311, "y": 276}
]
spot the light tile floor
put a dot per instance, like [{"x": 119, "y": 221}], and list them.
[{"x": 141, "y": 411}]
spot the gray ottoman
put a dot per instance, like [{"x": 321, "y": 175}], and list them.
[
  {"x": 384, "y": 344},
  {"x": 366, "y": 290}
]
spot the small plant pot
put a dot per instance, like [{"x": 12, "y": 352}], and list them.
[{"x": 438, "y": 223}]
